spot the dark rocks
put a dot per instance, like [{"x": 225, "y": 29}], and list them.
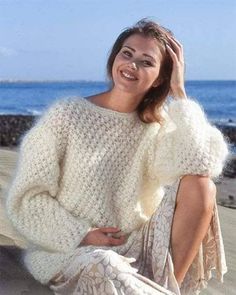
[
  {"x": 12, "y": 127},
  {"x": 229, "y": 203},
  {"x": 229, "y": 132},
  {"x": 230, "y": 168}
]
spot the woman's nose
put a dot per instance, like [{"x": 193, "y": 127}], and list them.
[{"x": 133, "y": 65}]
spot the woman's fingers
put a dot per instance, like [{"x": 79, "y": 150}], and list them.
[
  {"x": 113, "y": 240},
  {"x": 175, "y": 41},
  {"x": 116, "y": 241},
  {"x": 172, "y": 54},
  {"x": 109, "y": 229},
  {"x": 177, "y": 48},
  {"x": 104, "y": 237}
]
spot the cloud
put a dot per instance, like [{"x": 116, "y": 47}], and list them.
[{"x": 4, "y": 51}]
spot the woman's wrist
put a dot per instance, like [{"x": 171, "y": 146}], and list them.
[{"x": 179, "y": 94}]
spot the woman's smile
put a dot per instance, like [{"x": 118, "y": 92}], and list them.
[{"x": 128, "y": 75}]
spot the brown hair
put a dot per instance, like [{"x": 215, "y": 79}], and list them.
[{"x": 149, "y": 108}]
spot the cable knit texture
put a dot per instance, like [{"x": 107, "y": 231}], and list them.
[{"x": 84, "y": 166}]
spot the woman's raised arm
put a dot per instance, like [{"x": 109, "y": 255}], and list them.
[{"x": 187, "y": 144}]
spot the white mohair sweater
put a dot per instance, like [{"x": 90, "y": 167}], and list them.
[{"x": 84, "y": 166}]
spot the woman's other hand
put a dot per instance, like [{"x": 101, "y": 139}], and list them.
[
  {"x": 177, "y": 77},
  {"x": 103, "y": 237}
]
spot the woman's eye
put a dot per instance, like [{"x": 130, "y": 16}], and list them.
[
  {"x": 127, "y": 53},
  {"x": 147, "y": 63}
]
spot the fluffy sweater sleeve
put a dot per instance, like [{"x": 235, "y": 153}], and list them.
[
  {"x": 187, "y": 144},
  {"x": 32, "y": 203}
]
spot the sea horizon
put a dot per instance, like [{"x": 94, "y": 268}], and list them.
[
  {"x": 32, "y": 97},
  {"x": 91, "y": 80}
]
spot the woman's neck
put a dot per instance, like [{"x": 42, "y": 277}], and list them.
[{"x": 117, "y": 101}]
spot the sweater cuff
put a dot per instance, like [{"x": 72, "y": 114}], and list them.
[
  {"x": 83, "y": 230},
  {"x": 71, "y": 237}
]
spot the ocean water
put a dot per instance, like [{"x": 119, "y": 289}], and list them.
[{"x": 218, "y": 98}]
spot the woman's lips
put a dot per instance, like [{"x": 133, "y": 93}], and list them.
[{"x": 128, "y": 75}]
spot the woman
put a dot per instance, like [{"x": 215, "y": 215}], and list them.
[{"x": 91, "y": 172}]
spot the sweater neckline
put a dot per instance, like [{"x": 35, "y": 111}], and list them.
[{"x": 107, "y": 111}]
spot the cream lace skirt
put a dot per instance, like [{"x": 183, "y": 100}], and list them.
[{"x": 143, "y": 265}]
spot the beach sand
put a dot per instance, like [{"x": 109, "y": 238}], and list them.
[{"x": 14, "y": 280}]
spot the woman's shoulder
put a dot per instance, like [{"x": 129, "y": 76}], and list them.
[
  {"x": 61, "y": 111},
  {"x": 56, "y": 120},
  {"x": 64, "y": 105}
]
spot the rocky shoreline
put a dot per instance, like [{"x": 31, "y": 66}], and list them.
[
  {"x": 12, "y": 127},
  {"x": 229, "y": 131}
]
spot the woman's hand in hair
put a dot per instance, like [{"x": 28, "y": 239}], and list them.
[
  {"x": 104, "y": 236},
  {"x": 177, "y": 77}
]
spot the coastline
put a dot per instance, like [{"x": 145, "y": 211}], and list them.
[{"x": 13, "y": 126}]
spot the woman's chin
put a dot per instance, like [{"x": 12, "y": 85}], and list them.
[
  {"x": 127, "y": 90},
  {"x": 126, "y": 86}
]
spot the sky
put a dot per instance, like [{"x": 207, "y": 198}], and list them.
[{"x": 71, "y": 39}]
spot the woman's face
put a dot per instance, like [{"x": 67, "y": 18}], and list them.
[{"x": 137, "y": 65}]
